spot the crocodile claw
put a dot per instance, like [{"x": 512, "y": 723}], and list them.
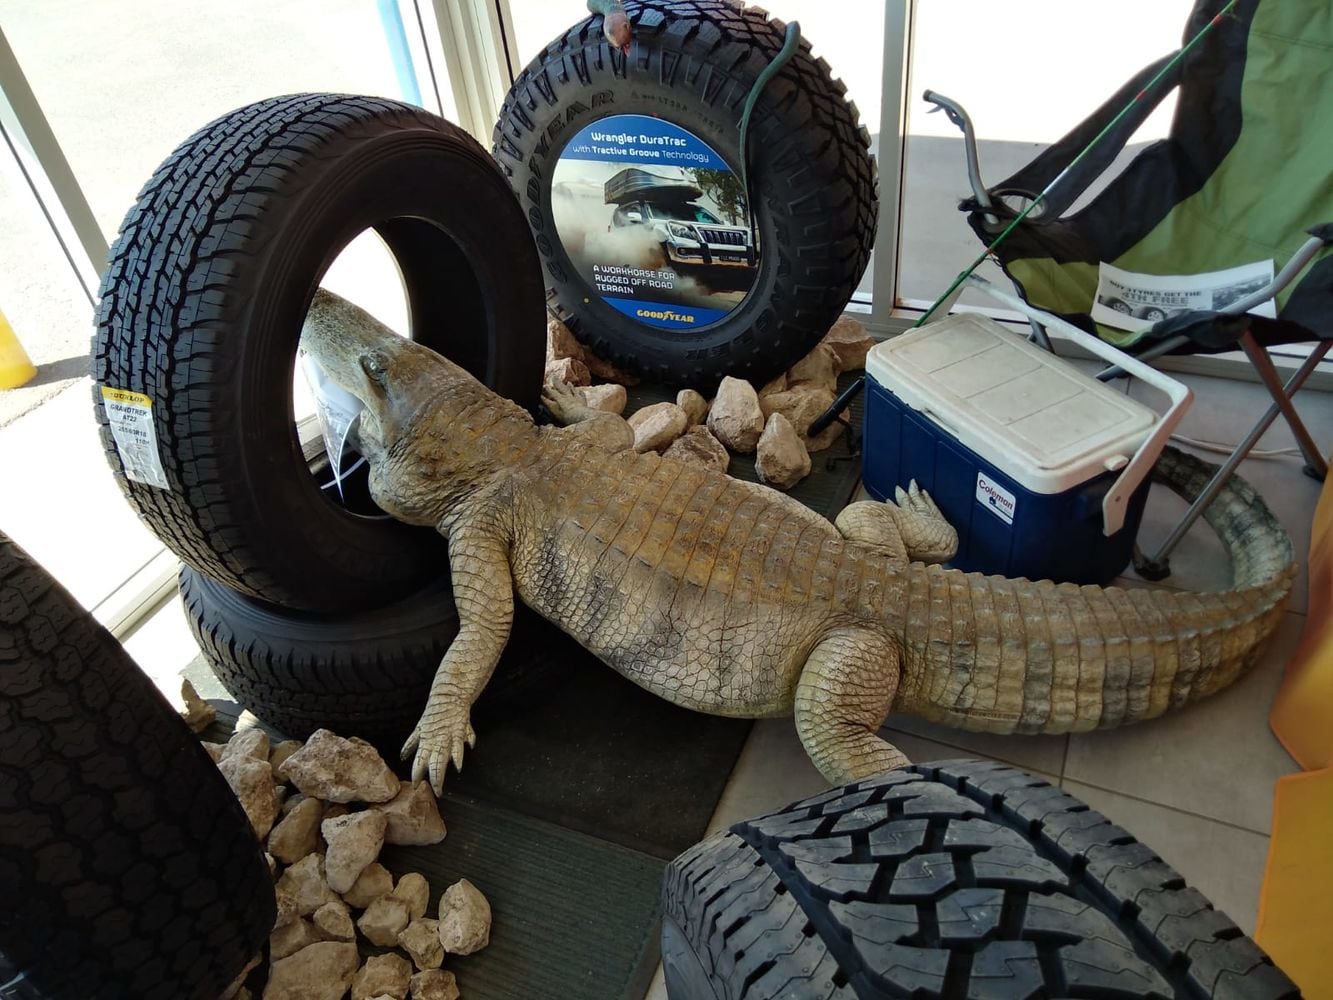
[{"x": 437, "y": 740}]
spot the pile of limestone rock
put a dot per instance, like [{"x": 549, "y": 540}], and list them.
[
  {"x": 324, "y": 809},
  {"x": 772, "y": 422}
]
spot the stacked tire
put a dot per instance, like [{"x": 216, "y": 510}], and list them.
[{"x": 313, "y": 608}]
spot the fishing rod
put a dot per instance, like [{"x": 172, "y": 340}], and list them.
[{"x": 852, "y": 391}]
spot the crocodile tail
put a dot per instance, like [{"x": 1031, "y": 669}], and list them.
[{"x": 1037, "y": 657}]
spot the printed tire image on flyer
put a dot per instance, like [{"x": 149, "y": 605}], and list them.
[{"x": 655, "y": 222}]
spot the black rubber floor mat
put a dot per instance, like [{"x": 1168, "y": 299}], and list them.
[
  {"x": 834, "y": 473},
  {"x": 573, "y": 917},
  {"x": 600, "y": 755}
]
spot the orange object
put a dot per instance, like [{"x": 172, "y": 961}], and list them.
[
  {"x": 15, "y": 367},
  {"x": 1302, "y": 716},
  {"x": 1296, "y": 904}
]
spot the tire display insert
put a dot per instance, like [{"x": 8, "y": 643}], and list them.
[{"x": 654, "y": 221}]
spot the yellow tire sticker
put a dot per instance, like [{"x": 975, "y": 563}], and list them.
[{"x": 130, "y": 415}]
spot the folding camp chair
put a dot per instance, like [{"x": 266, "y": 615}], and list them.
[{"x": 1245, "y": 175}]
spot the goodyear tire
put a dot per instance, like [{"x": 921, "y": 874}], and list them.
[
  {"x": 127, "y": 869},
  {"x": 953, "y": 879},
  {"x": 690, "y": 68},
  {"x": 364, "y": 673},
  {"x": 202, "y": 304}
]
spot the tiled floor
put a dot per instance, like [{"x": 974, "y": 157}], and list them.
[{"x": 1196, "y": 785}]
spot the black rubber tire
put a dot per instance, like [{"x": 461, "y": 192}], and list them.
[
  {"x": 952, "y": 879},
  {"x": 362, "y": 674},
  {"x": 201, "y": 309},
  {"x": 127, "y": 868},
  {"x": 693, "y": 62}
]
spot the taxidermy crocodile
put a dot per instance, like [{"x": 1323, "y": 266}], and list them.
[{"x": 731, "y": 598}]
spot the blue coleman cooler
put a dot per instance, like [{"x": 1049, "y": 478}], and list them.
[{"x": 1042, "y": 470}]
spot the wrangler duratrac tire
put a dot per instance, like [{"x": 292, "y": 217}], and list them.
[
  {"x": 959, "y": 879},
  {"x": 202, "y": 306},
  {"x": 127, "y": 869},
  {"x": 692, "y": 64},
  {"x": 364, "y": 673}
]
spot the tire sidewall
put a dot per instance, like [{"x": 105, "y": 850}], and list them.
[{"x": 791, "y": 302}]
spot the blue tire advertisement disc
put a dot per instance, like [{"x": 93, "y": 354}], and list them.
[{"x": 655, "y": 222}]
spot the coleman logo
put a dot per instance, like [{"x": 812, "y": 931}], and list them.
[{"x": 996, "y": 499}]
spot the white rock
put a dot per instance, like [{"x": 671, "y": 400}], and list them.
[
  {"x": 697, "y": 446},
  {"x": 334, "y": 922},
  {"x": 610, "y": 398},
  {"x": 213, "y": 750},
  {"x": 321, "y": 971},
  {"x": 384, "y": 920},
  {"x": 465, "y": 919},
  {"x": 280, "y": 752},
  {"x": 778, "y": 384},
  {"x": 354, "y": 841},
  {"x": 374, "y": 881},
  {"x": 414, "y": 890},
  {"x": 569, "y": 371},
  {"x": 413, "y": 816},
  {"x": 802, "y": 406},
  {"x": 694, "y": 405},
  {"x": 560, "y": 342},
  {"x": 383, "y": 975},
  {"x": 818, "y": 368},
  {"x": 293, "y": 800},
  {"x": 306, "y": 885},
  {"x": 735, "y": 417},
  {"x": 656, "y": 426},
  {"x": 421, "y": 940},
  {"x": 297, "y": 833},
  {"x": 198, "y": 714},
  {"x": 252, "y": 782},
  {"x": 850, "y": 343},
  {"x": 434, "y": 984},
  {"x": 272, "y": 863},
  {"x": 331, "y": 768},
  {"x": 247, "y": 743},
  {"x": 291, "y": 938},
  {"x": 781, "y": 459}
]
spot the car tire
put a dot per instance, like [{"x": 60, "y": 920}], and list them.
[
  {"x": 201, "y": 309},
  {"x": 952, "y": 879},
  {"x": 692, "y": 64},
  {"x": 364, "y": 673},
  {"x": 127, "y": 867}
]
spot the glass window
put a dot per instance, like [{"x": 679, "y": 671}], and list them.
[{"x": 121, "y": 85}]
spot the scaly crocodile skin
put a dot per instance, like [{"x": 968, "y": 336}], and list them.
[{"x": 727, "y": 597}]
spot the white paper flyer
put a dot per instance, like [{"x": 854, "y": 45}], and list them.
[{"x": 1130, "y": 301}]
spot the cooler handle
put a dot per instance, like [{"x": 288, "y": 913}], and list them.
[{"x": 1116, "y": 501}]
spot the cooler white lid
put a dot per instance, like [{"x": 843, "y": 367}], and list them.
[{"x": 1025, "y": 410}]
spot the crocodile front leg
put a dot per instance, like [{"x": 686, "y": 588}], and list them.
[
  {"x": 842, "y": 698},
  {"x": 484, "y": 595},
  {"x": 607, "y": 430}
]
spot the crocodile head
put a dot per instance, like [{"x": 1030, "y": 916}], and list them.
[
  {"x": 392, "y": 377},
  {"x": 424, "y": 451}
]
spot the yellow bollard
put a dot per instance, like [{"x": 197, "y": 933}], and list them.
[{"x": 15, "y": 368}]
